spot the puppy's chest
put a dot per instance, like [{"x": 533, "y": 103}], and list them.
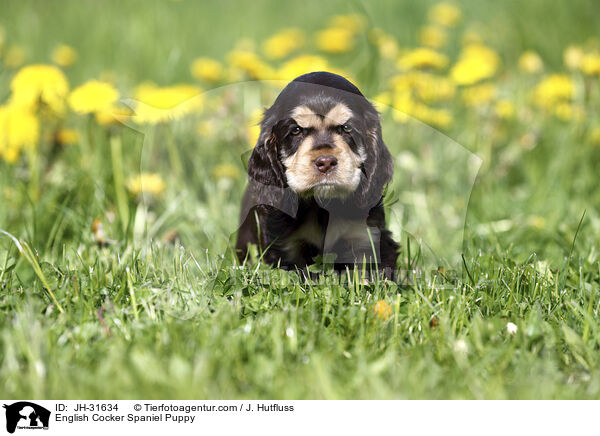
[{"x": 319, "y": 235}]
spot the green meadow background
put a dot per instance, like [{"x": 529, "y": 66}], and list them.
[{"x": 106, "y": 292}]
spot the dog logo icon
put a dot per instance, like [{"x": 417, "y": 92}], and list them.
[{"x": 26, "y": 415}]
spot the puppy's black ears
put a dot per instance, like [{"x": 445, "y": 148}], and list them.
[
  {"x": 378, "y": 167},
  {"x": 264, "y": 166}
]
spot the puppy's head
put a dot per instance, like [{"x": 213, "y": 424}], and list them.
[{"x": 322, "y": 139}]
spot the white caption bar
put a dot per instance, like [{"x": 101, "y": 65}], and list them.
[{"x": 504, "y": 418}]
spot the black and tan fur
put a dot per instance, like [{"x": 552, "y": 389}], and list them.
[{"x": 316, "y": 179}]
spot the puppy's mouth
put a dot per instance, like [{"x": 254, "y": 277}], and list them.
[{"x": 329, "y": 185}]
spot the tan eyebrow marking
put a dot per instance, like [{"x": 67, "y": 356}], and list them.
[
  {"x": 338, "y": 115},
  {"x": 306, "y": 118}
]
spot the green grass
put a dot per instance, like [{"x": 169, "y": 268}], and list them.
[{"x": 161, "y": 311}]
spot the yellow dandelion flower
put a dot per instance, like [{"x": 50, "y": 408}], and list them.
[
  {"x": 283, "y": 43},
  {"x": 476, "y": 62},
  {"x": 39, "y": 83},
  {"x": 433, "y": 36},
  {"x": 301, "y": 65},
  {"x": 146, "y": 183},
  {"x": 14, "y": 56},
  {"x": 158, "y": 104},
  {"x": 595, "y": 136},
  {"x": 428, "y": 87},
  {"x": 563, "y": 111},
  {"x": 407, "y": 106},
  {"x": 66, "y": 136},
  {"x": 530, "y": 62},
  {"x": 335, "y": 40},
  {"x": 19, "y": 128},
  {"x": 504, "y": 109},
  {"x": 423, "y": 58},
  {"x": 553, "y": 89},
  {"x": 445, "y": 14},
  {"x": 435, "y": 117},
  {"x": 112, "y": 115},
  {"x": 572, "y": 57},
  {"x": 386, "y": 44},
  {"x": 566, "y": 111},
  {"x": 250, "y": 64},
  {"x": 382, "y": 310},
  {"x": 206, "y": 69},
  {"x": 225, "y": 171},
  {"x": 383, "y": 99},
  {"x": 253, "y": 125},
  {"x": 590, "y": 64},
  {"x": 536, "y": 221},
  {"x": 478, "y": 95},
  {"x": 93, "y": 96},
  {"x": 64, "y": 55},
  {"x": 355, "y": 23}
]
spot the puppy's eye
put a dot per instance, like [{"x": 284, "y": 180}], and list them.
[
  {"x": 296, "y": 130},
  {"x": 347, "y": 128}
]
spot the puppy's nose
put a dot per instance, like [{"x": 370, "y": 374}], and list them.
[{"x": 325, "y": 163}]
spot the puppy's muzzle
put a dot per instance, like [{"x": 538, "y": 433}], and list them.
[{"x": 325, "y": 163}]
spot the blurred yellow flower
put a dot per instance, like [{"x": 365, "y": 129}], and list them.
[
  {"x": 387, "y": 45},
  {"x": 250, "y": 63},
  {"x": 206, "y": 69},
  {"x": 530, "y": 62},
  {"x": 253, "y": 125},
  {"x": 554, "y": 88},
  {"x": 566, "y": 111},
  {"x": 64, "y": 55},
  {"x": 283, "y": 43},
  {"x": 590, "y": 64},
  {"x": 422, "y": 58},
  {"x": 93, "y": 96},
  {"x": 572, "y": 57},
  {"x": 112, "y": 115},
  {"x": 301, "y": 65},
  {"x": 19, "y": 128},
  {"x": 407, "y": 107},
  {"x": 147, "y": 183},
  {"x": 225, "y": 171},
  {"x": 433, "y": 36},
  {"x": 444, "y": 14},
  {"x": 536, "y": 221},
  {"x": 476, "y": 62},
  {"x": 355, "y": 23},
  {"x": 66, "y": 136},
  {"x": 428, "y": 87},
  {"x": 477, "y": 95},
  {"x": 335, "y": 40},
  {"x": 39, "y": 83},
  {"x": 382, "y": 99},
  {"x": 382, "y": 310},
  {"x": 504, "y": 109},
  {"x": 157, "y": 104},
  {"x": 595, "y": 135},
  {"x": 14, "y": 56}
]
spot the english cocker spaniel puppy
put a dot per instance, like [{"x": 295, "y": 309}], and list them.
[{"x": 316, "y": 180}]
